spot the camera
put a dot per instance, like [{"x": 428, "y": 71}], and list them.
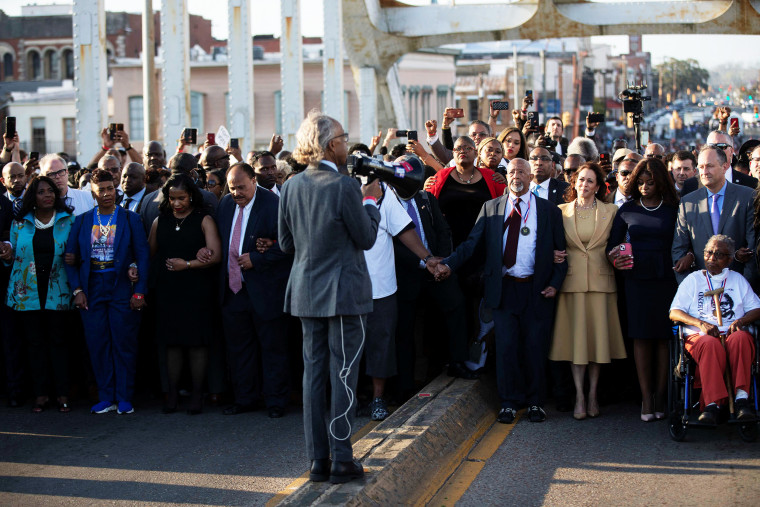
[
  {"x": 411, "y": 135},
  {"x": 406, "y": 175},
  {"x": 633, "y": 99}
]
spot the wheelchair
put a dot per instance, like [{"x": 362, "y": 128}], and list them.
[{"x": 683, "y": 397}]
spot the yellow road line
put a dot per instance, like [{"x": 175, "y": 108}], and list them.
[
  {"x": 303, "y": 479},
  {"x": 35, "y": 435},
  {"x": 465, "y": 474}
]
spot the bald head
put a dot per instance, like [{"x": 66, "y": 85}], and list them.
[
  {"x": 654, "y": 150},
  {"x": 573, "y": 162},
  {"x": 154, "y": 156},
  {"x": 133, "y": 179},
  {"x": 214, "y": 157},
  {"x": 112, "y": 165},
  {"x": 14, "y": 178}
]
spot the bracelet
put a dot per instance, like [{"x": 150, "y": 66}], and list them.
[
  {"x": 188, "y": 264},
  {"x": 371, "y": 198},
  {"x": 105, "y": 148},
  {"x": 138, "y": 296},
  {"x": 127, "y": 148},
  {"x": 76, "y": 292}
]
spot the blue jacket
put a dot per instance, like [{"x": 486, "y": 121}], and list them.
[
  {"x": 130, "y": 245},
  {"x": 22, "y": 287}
]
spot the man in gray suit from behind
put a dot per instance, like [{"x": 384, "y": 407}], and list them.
[
  {"x": 328, "y": 222},
  {"x": 732, "y": 213}
]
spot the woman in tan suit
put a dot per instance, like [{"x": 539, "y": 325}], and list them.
[{"x": 587, "y": 328}]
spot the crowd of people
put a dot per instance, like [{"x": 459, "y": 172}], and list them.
[{"x": 193, "y": 271}]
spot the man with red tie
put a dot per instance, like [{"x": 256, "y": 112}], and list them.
[
  {"x": 519, "y": 234},
  {"x": 252, "y": 285}
]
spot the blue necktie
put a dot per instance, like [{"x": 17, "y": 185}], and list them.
[
  {"x": 413, "y": 215},
  {"x": 715, "y": 213}
]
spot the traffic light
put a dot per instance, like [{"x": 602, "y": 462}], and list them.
[{"x": 728, "y": 97}]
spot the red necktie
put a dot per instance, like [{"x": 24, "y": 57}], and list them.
[
  {"x": 513, "y": 225},
  {"x": 233, "y": 268}
]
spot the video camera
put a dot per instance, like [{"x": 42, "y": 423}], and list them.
[
  {"x": 406, "y": 176},
  {"x": 633, "y": 100}
]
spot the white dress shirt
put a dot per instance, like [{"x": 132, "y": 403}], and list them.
[
  {"x": 274, "y": 189},
  {"x": 620, "y": 199},
  {"x": 135, "y": 202},
  {"x": 542, "y": 188},
  {"x": 244, "y": 225},
  {"x": 81, "y": 201},
  {"x": 526, "y": 245}
]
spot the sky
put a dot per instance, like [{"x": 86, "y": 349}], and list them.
[{"x": 708, "y": 50}]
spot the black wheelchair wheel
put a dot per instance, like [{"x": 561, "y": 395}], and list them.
[
  {"x": 748, "y": 431},
  {"x": 676, "y": 427}
]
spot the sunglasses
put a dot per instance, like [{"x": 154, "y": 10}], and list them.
[
  {"x": 654, "y": 155},
  {"x": 721, "y": 146},
  {"x": 542, "y": 158},
  {"x": 625, "y": 173}
]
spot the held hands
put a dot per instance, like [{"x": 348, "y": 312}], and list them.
[
  {"x": 70, "y": 259},
  {"x": 549, "y": 292},
  {"x": 80, "y": 301},
  {"x": 137, "y": 304},
  {"x": 6, "y": 252},
  {"x": 176, "y": 264},
  {"x": 204, "y": 255},
  {"x": 244, "y": 261},
  {"x": 264, "y": 244},
  {"x": 133, "y": 275},
  {"x": 431, "y": 126},
  {"x": 439, "y": 270},
  {"x": 560, "y": 256}
]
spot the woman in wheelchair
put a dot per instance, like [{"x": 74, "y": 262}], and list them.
[{"x": 714, "y": 331}]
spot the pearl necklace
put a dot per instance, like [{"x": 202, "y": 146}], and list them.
[
  {"x": 39, "y": 224},
  {"x": 585, "y": 212},
  {"x": 651, "y": 209}
]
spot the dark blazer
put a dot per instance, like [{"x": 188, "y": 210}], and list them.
[
  {"x": 437, "y": 235},
  {"x": 6, "y": 217},
  {"x": 694, "y": 226},
  {"x": 266, "y": 281},
  {"x": 323, "y": 221},
  {"x": 487, "y": 233},
  {"x": 149, "y": 206},
  {"x": 557, "y": 191},
  {"x": 738, "y": 178},
  {"x": 130, "y": 245}
]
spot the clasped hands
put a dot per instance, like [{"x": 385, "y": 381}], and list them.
[{"x": 438, "y": 269}]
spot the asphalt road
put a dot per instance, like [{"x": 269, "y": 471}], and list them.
[
  {"x": 147, "y": 457},
  {"x": 617, "y": 460}
]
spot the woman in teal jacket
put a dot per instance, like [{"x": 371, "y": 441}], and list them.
[{"x": 38, "y": 289}]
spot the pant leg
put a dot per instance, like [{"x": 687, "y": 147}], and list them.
[
  {"x": 35, "y": 329},
  {"x": 741, "y": 350},
  {"x": 509, "y": 370},
  {"x": 316, "y": 368},
  {"x": 536, "y": 332},
  {"x": 272, "y": 338},
  {"x": 405, "y": 344},
  {"x": 710, "y": 357},
  {"x": 346, "y": 338},
  {"x": 12, "y": 338},
  {"x": 97, "y": 333},
  {"x": 124, "y": 326},
  {"x": 242, "y": 349},
  {"x": 449, "y": 300}
]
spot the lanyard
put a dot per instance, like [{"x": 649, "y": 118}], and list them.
[
  {"x": 516, "y": 207},
  {"x": 710, "y": 285}
]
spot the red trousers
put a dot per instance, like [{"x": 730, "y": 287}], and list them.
[{"x": 710, "y": 357}]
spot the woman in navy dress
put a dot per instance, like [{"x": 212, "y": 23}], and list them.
[{"x": 647, "y": 222}]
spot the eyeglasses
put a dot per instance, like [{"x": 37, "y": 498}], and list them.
[
  {"x": 464, "y": 149},
  {"x": 344, "y": 135},
  {"x": 716, "y": 254},
  {"x": 624, "y": 173},
  {"x": 57, "y": 173},
  {"x": 211, "y": 184},
  {"x": 721, "y": 146},
  {"x": 542, "y": 158},
  {"x": 654, "y": 155}
]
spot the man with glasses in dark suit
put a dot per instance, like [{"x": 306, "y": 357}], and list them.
[{"x": 722, "y": 141}]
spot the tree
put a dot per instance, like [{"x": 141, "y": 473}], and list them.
[{"x": 688, "y": 75}]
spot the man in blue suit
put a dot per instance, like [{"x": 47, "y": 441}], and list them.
[
  {"x": 252, "y": 286},
  {"x": 106, "y": 250}
]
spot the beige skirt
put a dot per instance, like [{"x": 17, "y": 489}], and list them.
[{"x": 587, "y": 328}]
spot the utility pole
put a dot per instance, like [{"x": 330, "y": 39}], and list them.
[{"x": 150, "y": 118}]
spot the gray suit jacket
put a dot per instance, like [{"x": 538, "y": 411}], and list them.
[
  {"x": 149, "y": 206},
  {"x": 323, "y": 221},
  {"x": 488, "y": 234},
  {"x": 694, "y": 227}
]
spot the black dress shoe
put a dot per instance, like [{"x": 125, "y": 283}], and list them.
[
  {"x": 461, "y": 371},
  {"x": 744, "y": 410},
  {"x": 506, "y": 415},
  {"x": 320, "y": 470},
  {"x": 276, "y": 412},
  {"x": 345, "y": 471},
  {"x": 536, "y": 414},
  {"x": 237, "y": 408},
  {"x": 709, "y": 416}
]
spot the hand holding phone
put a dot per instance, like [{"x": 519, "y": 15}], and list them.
[{"x": 624, "y": 258}]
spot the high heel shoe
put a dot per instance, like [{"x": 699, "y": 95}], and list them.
[
  {"x": 593, "y": 410},
  {"x": 579, "y": 415}
]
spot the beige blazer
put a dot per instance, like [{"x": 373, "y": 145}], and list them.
[{"x": 588, "y": 267}]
